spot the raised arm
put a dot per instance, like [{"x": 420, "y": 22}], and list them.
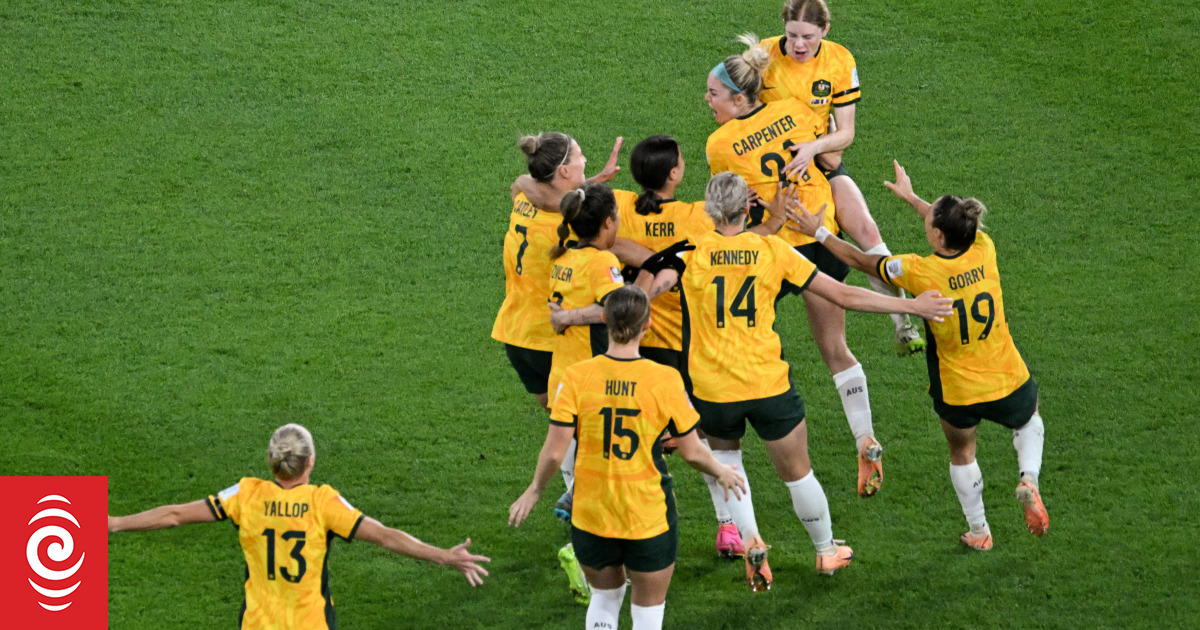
[
  {"x": 402, "y": 543},
  {"x": 541, "y": 195},
  {"x": 558, "y": 438},
  {"x": 904, "y": 190},
  {"x": 929, "y": 305},
  {"x": 162, "y": 517}
]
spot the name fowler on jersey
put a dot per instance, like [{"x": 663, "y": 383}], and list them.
[
  {"x": 562, "y": 273},
  {"x": 525, "y": 209},
  {"x": 966, "y": 278},
  {"x": 619, "y": 388},
  {"x": 764, "y": 135},
  {"x": 280, "y": 508},
  {"x": 733, "y": 257}
]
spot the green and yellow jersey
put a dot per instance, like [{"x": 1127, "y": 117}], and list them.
[
  {"x": 972, "y": 357},
  {"x": 523, "y": 319},
  {"x": 619, "y": 409},
  {"x": 755, "y": 146},
  {"x": 676, "y": 221},
  {"x": 581, "y": 277},
  {"x": 829, "y": 79},
  {"x": 285, "y": 538},
  {"x": 729, "y": 290}
]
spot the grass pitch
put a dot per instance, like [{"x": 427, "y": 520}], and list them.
[{"x": 219, "y": 217}]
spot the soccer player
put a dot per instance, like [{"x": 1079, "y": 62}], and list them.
[
  {"x": 823, "y": 75},
  {"x": 522, "y": 324},
  {"x": 730, "y": 279},
  {"x": 619, "y": 405},
  {"x": 284, "y": 526},
  {"x": 582, "y": 275},
  {"x": 975, "y": 371},
  {"x": 752, "y": 141}
]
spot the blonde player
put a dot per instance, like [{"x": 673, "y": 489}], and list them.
[
  {"x": 284, "y": 526},
  {"x": 823, "y": 75},
  {"x": 975, "y": 371},
  {"x": 730, "y": 279},
  {"x": 619, "y": 405},
  {"x": 754, "y": 141}
]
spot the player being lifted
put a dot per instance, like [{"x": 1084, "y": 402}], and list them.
[
  {"x": 823, "y": 75},
  {"x": 730, "y": 279},
  {"x": 975, "y": 371}
]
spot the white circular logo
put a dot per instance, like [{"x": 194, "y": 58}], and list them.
[{"x": 60, "y": 551}]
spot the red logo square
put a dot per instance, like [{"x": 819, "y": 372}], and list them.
[{"x": 54, "y": 550}]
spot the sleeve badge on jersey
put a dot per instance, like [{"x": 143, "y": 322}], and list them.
[
  {"x": 345, "y": 502},
  {"x": 854, "y": 78},
  {"x": 894, "y": 268},
  {"x": 616, "y": 275},
  {"x": 228, "y": 492}
]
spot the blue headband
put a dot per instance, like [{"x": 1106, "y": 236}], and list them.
[{"x": 723, "y": 76}]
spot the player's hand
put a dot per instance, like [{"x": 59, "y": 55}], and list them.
[
  {"x": 805, "y": 222},
  {"x": 752, "y": 199},
  {"x": 932, "y": 306},
  {"x": 465, "y": 561},
  {"x": 520, "y": 509},
  {"x": 803, "y": 155},
  {"x": 903, "y": 185},
  {"x": 558, "y": 318},
  {"x": 732, "y": 482},
  {"x": 610, "y": 169}
]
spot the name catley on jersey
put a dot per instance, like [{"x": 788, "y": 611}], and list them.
[
  {"x": 285, "y": 538},
  {"x": 523, "y": 320},
  {"x": 757, "y": 147},
  {"x": 729, "y": 290},
  {"x": 972, "y": 358},
  {"x": 619, "y": 409}
]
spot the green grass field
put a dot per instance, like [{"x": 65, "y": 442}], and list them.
[{"x": 219, "y": 217}]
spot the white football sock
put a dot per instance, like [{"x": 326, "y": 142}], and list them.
[
  {"x": 647, "y": 617},
  {"x": 812, "y": 508},
  {"x": 852, "y": 388},
  {"x": 568, "y": 466},
  {"x": 742, "y": 509},
  {"x": 604, "y": 608},
  {"x": 899, "y": 320},
  {"x": 968, "y": 483},
  {"x": 1028, "y": 441},
  {"x": 717, "y": 493}
]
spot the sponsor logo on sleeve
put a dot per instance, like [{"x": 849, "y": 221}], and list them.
[
  {"x": 894, "y": 268},
  {"x": 54, "y": 553},
  {"x": 616, "y": 274},
  {"x": 854, "y": 78}
]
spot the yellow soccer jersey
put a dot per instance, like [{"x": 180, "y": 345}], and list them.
[
  {"x": 284, "y": 538},
  {"x": 829, "y": 79},
  {"x": 581, "y": 277},
  {"x": 972, "y": 357},
  {"x": 755, "y": 146},
  {"x": 620, "y": 408},
  {"x": 523, "y": 319},
  {"x": 676, "y": 221},
  {"x": 729, "y": 290}
]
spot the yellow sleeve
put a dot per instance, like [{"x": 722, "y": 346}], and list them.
[
  {"x": 564, "y": 410},
  {"x": 225, "y": 504},
  {"x": 340, "y": 517},
  {"x": 845, "y": 82},
  {"x": 678, "y": 406},
  {"x": 797, "y": 269},
  {"x": 605, "y": 272},
  {"x": 901, "y": 271}
]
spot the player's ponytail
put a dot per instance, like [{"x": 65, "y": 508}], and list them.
[
  {"x": 745, "y": 71},
  {"x": 584, "y": 210},
  {"x": 288, "y": 452},
  {"x": 958, "y": 219},
  {"x": 725, "y": 198},
  {"x": 651, "y": 162},
  {"x": 544, "y": 153},
  {"x": 625, "y": 313}
]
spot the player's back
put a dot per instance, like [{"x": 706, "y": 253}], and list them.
[
  {"x": 523, "y": 320},
  {"x": 729, "y": 289},
  {"x": 284, "y": 538}
]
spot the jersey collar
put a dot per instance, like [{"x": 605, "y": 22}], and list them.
[{"x": 751, "y": 114}]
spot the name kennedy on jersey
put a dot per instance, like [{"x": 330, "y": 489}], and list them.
[{"x": 764, "y": 135}]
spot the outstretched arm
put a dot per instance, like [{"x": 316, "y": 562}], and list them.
[
  {"x": 558, "y": 438},
  {"x": 904, "y": 190},
  {"x": 563, "y": 319},
  {"x": 929, "y": 305},
  {"x": 162, "y": 517},
  {"x": 814, "y": 226},
  {"x": 402, "y": 543},
  {"x": 541, "y": 195}
]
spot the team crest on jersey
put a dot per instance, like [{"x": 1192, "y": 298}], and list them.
[{"x": 822, "y": 87}]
